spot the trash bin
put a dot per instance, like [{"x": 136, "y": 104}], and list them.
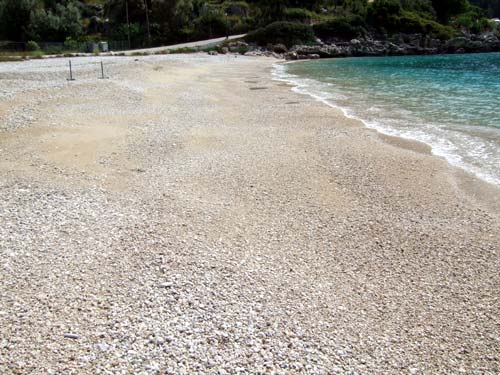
[
  {"x": 103, "y": 47},
  {"x": 93, "y": 47}
]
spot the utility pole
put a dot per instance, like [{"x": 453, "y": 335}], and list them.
[
  {"x": 147, "y": 21},
  {"x": 128, "y": 24}
]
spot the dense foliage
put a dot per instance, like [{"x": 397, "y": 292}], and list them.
[
  {"x": 347, "y": 27},
  {"x": 287, "y": 33},
  {"x": 284, "y": 21},
  {"x": 491, "y": 6}
]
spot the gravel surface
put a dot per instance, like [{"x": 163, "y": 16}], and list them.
[{"x": 191, "y": 216}]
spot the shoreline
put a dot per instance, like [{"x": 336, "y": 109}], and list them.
[
  {"x": 297, "y": 87},
  {"x": 207, "y": 219}
]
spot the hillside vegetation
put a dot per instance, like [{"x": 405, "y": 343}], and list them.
[{"x": 155, "y": 22}]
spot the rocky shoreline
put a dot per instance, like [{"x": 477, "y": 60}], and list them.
[{"x": 396, "y": 45}]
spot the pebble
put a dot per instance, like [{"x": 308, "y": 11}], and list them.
[
  {"x": 166, "y": 284},
  {"x": 223, "y": 216}
]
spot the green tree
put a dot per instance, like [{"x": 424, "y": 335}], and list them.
[
  {"x": 491, "y": 6},
  {"x": 422, "y": 7},
  {"x": 445, "y": 9},
  {"x": 171, "y": 14},
  {"x": 15, "y": 18},
  {"x": 57, "y": 24},
  {"x": 381, "y": 12}
]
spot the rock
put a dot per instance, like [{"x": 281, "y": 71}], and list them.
[
  {"x": 212, "y": 53},
  {"x": 435, "y": 43},
  {"x": 237, "y": 46},
  {"x": 457, "y": 43},
  {"x": 73, "y": 336},
  {"x": 157, "y": 340},
  {"x": 280, "y": 48},
  {"x": 167, "y": 284},
  {"x": 153, "y": 367},
  {"x": 254, "y": 53},
  {"x": 224, "y": 50},
  {"x": 103, "y": 347}
]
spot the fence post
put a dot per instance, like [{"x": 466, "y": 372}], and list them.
[
  {"x": 102, "y": 72},
  {"x": 70, "y": 72}
]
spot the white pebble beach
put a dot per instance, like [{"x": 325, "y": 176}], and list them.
[{"x": 191, "y": 215}]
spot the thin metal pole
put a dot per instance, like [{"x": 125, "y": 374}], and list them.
[
  {"x": 102, "y": 72},
  {"x": 70, "y": 72},
  {"x": 128, "y": 24}
]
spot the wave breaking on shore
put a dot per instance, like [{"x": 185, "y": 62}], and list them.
[{"x": 458, "y": 151}]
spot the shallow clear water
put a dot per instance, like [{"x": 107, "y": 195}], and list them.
[{"x": 451, "y": 102}]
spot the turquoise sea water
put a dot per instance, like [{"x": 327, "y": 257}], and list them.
[{"x": 451, "y": 102}]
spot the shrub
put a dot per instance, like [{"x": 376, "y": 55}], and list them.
[
  {"x": 241, "y": 25},
  {"x": 53, "y": 49},
  {"x": 70, "y": 44},
  {"x": 237, "y": 8},
  {"x": 32, "y": 46},
  {"x": 136, "y": 33},
  {"x": 211, "y": 25},
  {"x": 341, "y": 27},
  {"x": 55, "y": 24},
  {"x": 287, "y": 33},
  {"x": 37, "y": 54},
  {"x": 440, "y": 31},
  {"x": 381, "y": 9},
  {"x": 409, "y": 22},
  {"x": 298, "y": 14}
]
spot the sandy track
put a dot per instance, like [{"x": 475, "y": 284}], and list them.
[{"x": 192, "y": 216}]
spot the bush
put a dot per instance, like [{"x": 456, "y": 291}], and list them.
[
  {"x": 57, "y": 24},
  {"x": 237, "y": 8},
  {"x": 70, "y": 44},
  {"x": 298, "y": 14},
  {"x": 32, "y": 46},
  {"x": 381, "y": 9},
  {"x": 53, "y": 49},
  {"x": 382, "y": 13},
  {"x": 404, "y": 21},
  {"x": 136, "y": 33},
  {"x": 210, "y": 25},
  {"x": 474, "y": 20},
  {"x": 287, "y": 33},
  {"x": 241, "y": 25},
  {"x": 440, "y": 31},
  {"x": 409, "y": 22},
  {"x": 341, "y": 27}
]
